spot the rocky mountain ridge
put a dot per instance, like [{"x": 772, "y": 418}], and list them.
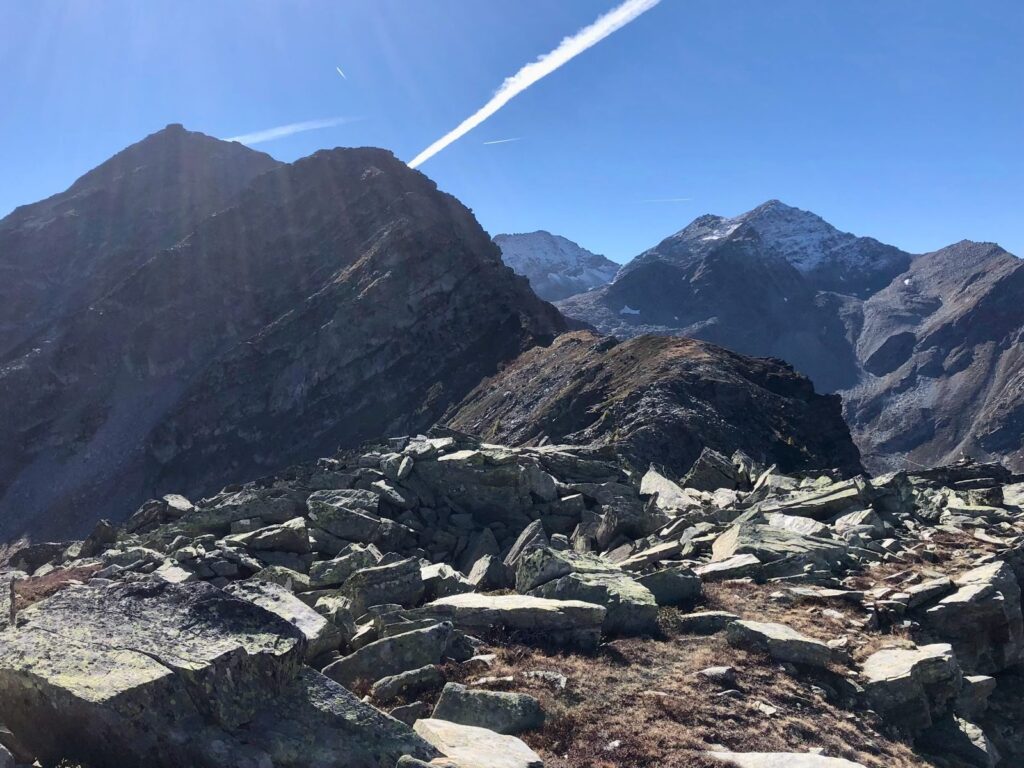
[
  {"x": 748, "y": 604},
  {"x": 336, "y": 299},
  {"x": 555, "y": 266},
  {"x": 922, "y": 348}
]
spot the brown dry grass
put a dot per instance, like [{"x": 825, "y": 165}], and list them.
[
  {"x": 36, "y": 588},
  {"x": 638, "y": 702}
]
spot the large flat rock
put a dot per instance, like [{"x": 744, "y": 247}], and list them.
[
  {"x": 126, "y": 671},
  {"x": 472, "y": 747},
  {"x": 558, "y": 622}
]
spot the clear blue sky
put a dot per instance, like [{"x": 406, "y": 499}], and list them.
[{"x": 902, "y": 120}]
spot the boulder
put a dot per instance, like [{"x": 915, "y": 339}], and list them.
[
  {"x": 391, "y": 656},
  {"x": 769, "y": 544},
  {"x": 349, "y": 514},
  {"x": 471, "y": 747},
  {"x": 335, "y": 572},
  {"x": 410, "y": 683},
  {"x": 322, "y": 636},
  {"x": 677, "y": 585},
  {"x": 821, "y": 502},
  {"x": 122, "y": 674},
  {"x": 489, "y": 573},
  {"x": 545, "y": 564},
  {"x": 532, "y": 537},
  {"x": 400, "y": 583},
  {"x": 982, "y": 619},
  {"x": 316, "y": 722},
  {"x": 500, "y": 711},
  {"x": 910, "y": 686},
  {"x": 441, "y": 580},
  {"x": 735, "y": 567},
  {"x": 962, "y": 739},
  {"x": 712, "y": 471},
  {"x": 630, "y": 607},
  {"x": 802, "y": 525},
  {"x": 286, "y": 537},
  {"x": 670, "y": 496},
  {"x": 532, "y": 619},
  {"x": 780, "y": 642}
]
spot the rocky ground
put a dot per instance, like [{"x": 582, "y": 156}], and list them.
[{"x": 446, "y": 601}]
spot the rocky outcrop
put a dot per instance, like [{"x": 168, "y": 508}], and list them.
[
  {"x": 660, "y": 400},
  {"x": 201, "y": 641},
  {"x": 345, "y": 277}
]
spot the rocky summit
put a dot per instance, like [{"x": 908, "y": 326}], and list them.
[
  {"x": 439, "y": 600},
  {"x": 288, "y": 310},
  {"x": 555, "y": 266}
]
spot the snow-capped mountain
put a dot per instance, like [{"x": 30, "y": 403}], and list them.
[
  {"x": 555, "y": 266},
  {"x": 831, "y": 260}
]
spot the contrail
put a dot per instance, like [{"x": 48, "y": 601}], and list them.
[
  {"x": 343, "y": 76},
  {"x": 269, "y": 134},
  {"x": 568, "y": 49},
  {"x": 503, "y": 141}
]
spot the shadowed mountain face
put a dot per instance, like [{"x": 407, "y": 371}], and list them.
[
  {"x": 338, "y": 298},
  {"x": 555, "y": 266},
  {"x": 660, "y": 399},
  {"x": 924, "y": 350},
  {"x": 61, "y": 254}
]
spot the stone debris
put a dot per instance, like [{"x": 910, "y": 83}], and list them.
[{"x": 379, "y": 573}]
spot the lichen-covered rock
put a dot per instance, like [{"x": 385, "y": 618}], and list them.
[
  {"x": 335, "y": 572},
  {"x": 780, "y": 642},
  {"x": 532, "y": 619},
  {"x": 400, "y": 583},
  {"x": 124, "y": 672},
  {"x": 676, "y": 585},
  {"x": 391, "y": 656},
  {"x": 500, "y": 711},
  {"x": 982, "y": 619},
  {"x": 911, "y": 686},
  {"x": 630, "y": 608},
  {"x": 322, "y": 636}
]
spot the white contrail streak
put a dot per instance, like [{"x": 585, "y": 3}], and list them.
[
  {"x": 343, "y": 76},
  {"x": 269, "y": 134},
  {"x": 503, "y": 141},
  {"x": 568, "y": 49}
]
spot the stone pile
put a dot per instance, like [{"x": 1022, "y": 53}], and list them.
[{"x": 380, "y": 574}]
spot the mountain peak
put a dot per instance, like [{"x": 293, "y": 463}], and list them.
[{"x": 555, "y": 266}]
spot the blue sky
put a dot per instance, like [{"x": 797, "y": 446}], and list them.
[{"x": 901, "y": 120}]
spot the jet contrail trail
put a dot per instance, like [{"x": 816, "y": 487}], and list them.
[
  {"x": 503, "y": 141},
  {"x": 281, "y": 131},
  {"x": 568, "y": 49},
  {"x": 343, "y": 76}
]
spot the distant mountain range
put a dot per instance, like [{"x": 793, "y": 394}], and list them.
[
  {"x": 925, "y": 349},
  {"x": 555, "y": 266}
]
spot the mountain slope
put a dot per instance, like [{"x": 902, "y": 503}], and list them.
[
  {"x": 944, "y": 367},
  {"x": 60, "y": 254},
  {"x": 555, "y": 266},
  {"x": 340, "y": 297},
  {"x": 660, "y": 399}
]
